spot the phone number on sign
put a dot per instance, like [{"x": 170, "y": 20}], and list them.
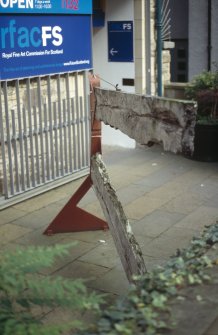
[{"x": 43, "y": 6}]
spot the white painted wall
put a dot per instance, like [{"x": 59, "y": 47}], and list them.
[{"x": 116, "y": 10}]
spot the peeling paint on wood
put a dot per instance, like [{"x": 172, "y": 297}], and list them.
[
  {"x": 125, "y": 242},
  {"x": 149, "y": 119}
]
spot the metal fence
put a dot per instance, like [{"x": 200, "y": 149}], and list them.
[{"x": 44, "y": 134}]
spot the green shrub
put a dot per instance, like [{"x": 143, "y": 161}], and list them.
[
  {"x": 21, "y": 290},
  {"x": 204, "y": 89},
  {"x": 146, "y": 309}
]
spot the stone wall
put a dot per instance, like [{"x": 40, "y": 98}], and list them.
[
  {"x": 166, "y": 67},
  {"x": 146, "y": 49},
  {"x": 166, "y": 59}
]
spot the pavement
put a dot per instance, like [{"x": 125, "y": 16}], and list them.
[{"x": 167, "y": 198}]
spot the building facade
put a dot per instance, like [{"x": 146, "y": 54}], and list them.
[
  {"x": 140, "y": 74},
  {"x": 136, "y": 70},
  {"x": 44, "y": 117},
  {"x": 194, "y": 29}
]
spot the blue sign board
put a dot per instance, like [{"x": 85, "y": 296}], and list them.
[
  {"x": 39, "y": 45},
  {"x": 120, "y": 41},
  {"x": 46, "y": 6}
]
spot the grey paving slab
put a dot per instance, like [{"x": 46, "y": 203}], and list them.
[
  {"x": 162, "y": 194},
  {"x": 62, "y": 315},
  {"x": 39, "y": 218},
  {"x": 77, "y": 269},
  {"x": 113, "y": 281},
  {"x": 213, "y": 329},
  {"x": 171, "y": 189},
  {"x": 120, "y": 178},
  {"x": 105, "y": 254},
  {"x": 88, "y": 198},
  {"x": 214, "y": 176},
  {"x": 184, "y": 203},
  {"x": 10, "y": 214},
  {"x": 152, "y": 262},
  {"x": 69, "y": 188},
  {"x": 114, "y": 155},
  {"x": 142, "y": 239},
  {"x": 10, "y": 246},
  {"x": 181, "y": 184},
  {"x": 144, "y": 205},
  {"x": 130, "y": 170},
  {"x": 200, "y": 217},
  {"x": 189, "y": 176},
  {"x": 75, "y": 252},
  {"x": 49, "y": 197},
  {"x": 162, "y": 176},
  {"x": 154, "y": 250},
  {"x": 193, "y": 317},
  {"x": 156, "y": 223},
  {"x": 167, "y": 243},
  {"x": 93, "y": 236},
  {"x": 206, "y": 189},
  {"x": 39, "y": 201},
  {"x": 10, "y": 232},
  {"x": 212, "y": 202},
  {"x": 36, "y": 237},
  {"x": 130, "y": 192},
  {"x": 145, "y": 170}
]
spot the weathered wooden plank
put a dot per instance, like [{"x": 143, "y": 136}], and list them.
[
  {"x": 125, "y": 242},
  {"x": 149, "y": 119}
]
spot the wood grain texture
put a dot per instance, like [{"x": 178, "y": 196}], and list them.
[
  {"x": 149, "y": 119},
  {"x": 125, "y": 242}
]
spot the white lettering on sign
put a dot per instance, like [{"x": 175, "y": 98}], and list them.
[
  {"x": 49, "y": 33},
  {"x": 24, "y": 37},
  {"x": 127, "y": 26},
  {"x": 16, "y": 3}
]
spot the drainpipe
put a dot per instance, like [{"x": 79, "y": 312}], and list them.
[
  {"x": 209, "y": 45},
  {"x": 148, "y": 45},
  {"x": 159, "y": 46}
]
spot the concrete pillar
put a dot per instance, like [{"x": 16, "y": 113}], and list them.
[{"x": 140, "y": 51}]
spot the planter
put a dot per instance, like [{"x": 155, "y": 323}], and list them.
[{"x": 206, "y": 143}]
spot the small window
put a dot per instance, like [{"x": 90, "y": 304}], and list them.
[
  {"x": 182, "y": 78},
  {"x": 181, "y": 53},
  {"x": 128, "y": 82},
  {"x": 181, "y": 66}
]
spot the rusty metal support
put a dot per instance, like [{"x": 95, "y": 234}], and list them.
[{"x": 72, "y": 218}]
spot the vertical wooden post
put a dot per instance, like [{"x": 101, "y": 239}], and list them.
[{"x": 72, "y": 218}]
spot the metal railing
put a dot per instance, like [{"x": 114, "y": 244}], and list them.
[{"x": 44, "y": 132}]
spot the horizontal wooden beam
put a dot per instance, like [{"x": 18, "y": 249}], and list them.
[{"x": 149, "y": 119}]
